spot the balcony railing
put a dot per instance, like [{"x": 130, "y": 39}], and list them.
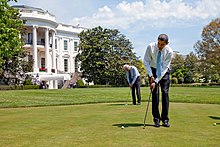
[
  {"x": 38, "y": 43},
  {"x": 42, "y": 69}
]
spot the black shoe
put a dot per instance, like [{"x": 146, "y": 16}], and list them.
[
  {"x": 156, "y": 122},
  {"x": 166, "y": 123}
]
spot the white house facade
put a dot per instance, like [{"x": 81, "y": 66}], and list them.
[{"x": 52, "y": 46}]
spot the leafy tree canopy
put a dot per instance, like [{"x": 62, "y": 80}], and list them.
[
  {"x": 11, "y": 52},
  {"x": 208, "y": 49},
  {"x": 185, "y": 68},
  {"x": 102, "y": 53}
]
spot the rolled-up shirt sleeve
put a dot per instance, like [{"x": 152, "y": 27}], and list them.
[{"x": 147, "y": 61}]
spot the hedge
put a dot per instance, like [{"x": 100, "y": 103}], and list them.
[{"x": 22, "y": 87}]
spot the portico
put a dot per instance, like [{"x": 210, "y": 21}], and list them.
[{"x": 52, "y": 46}]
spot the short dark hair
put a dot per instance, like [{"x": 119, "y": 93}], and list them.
[{"x": 163, "y": 37}]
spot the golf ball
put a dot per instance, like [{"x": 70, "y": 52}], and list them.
[
  {"x": 214, "y": 124},
  {"x": 122, "y": 127}
]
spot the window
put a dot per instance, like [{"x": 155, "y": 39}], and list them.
[
  {"x": 76, "y": 66},
  {"x": 30, "y": 58},
  {"x": 65, "y": 45},
  {"x": 55, "y": 43},
  {"x": 66, "y": 65},
  {"x": 75, "y": 45},
  {"x": 42, "y": 42},
  {"x": 42, "y": 62},
  {"x": 30, "y": 38}
]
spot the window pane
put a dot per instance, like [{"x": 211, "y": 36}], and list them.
[
  {"x": 76, "y": 66},
  {"x": 65, "y": 45},
  {"x": 42, "y": 62},
  {"x": 55, "y": 43},
  {"x": 65, "y": 65},
  {"x": 30, "y": 57},
  {"x": 30, "y": 37},
  {"x": 75, "y": 46}
]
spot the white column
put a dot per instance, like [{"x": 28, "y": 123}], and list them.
[
  {"x": 55, "y": 83},
  {"x": 34, "y": 44},
  {"x": 71, "y": 55},
  {"x": 61, "y": 54},
  {"x": 74, "y": 58},
  {"x": 47, "y": 49},
  {"x": 53, "y": 52}
]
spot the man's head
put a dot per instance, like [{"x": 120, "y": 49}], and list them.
[
  {"x": 162, "y": 41},
  {"x": 126, "y": 67}
]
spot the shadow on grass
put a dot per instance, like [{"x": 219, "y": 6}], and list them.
[
  {"x": 126, "y": 125},
  {"x": 214, "y": 117},
  {"x": 119, "y": 104}
]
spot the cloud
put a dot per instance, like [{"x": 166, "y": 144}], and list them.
[
  {"x": 104, "y": 12},
  {"x": 207, "y": 8},
  {"x": 152, "y": 13}
]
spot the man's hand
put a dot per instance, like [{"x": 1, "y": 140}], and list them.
[
  {"x": 131, "y": 85},
  {"x": 152, "y": 86},
  {"x": 152, "y": 80}
]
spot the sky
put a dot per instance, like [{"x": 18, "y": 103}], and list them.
[{"x": 141, "y": 21}]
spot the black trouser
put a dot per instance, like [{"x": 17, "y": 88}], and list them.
[
  {"x": 164, "y": 84},
  {"x": 136, "y": 86}
]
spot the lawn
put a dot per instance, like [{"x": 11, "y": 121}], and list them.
[
  {"x": 93, "y": 117},
  {"x": 30, "y": 98}
]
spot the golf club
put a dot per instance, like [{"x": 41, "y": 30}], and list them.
[
  {"x": 129, "y": 94},
  {"x": 145, "y": 117}
]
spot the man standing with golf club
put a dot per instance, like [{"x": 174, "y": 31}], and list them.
[
  {"x": 157, "y": 60},
  {"x": 133, "y": 78}
]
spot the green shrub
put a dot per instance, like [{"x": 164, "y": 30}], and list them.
[
  {"x": 195, "y": 85},
  {"x": 79, "y": 83},
  {"x": 20, "y": 87},
  {"x": 5, "y": 87},
  {"x": 174, "y": 80},
  {"x": 180, "y": 80},
  {"x": 27, "y": 82},
  {"x": 31, "y": 87}
]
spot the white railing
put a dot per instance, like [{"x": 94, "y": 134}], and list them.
[{"x": 37, "y": 14}]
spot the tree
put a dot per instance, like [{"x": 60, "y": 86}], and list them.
[
  {"x": 208, "y": 50},
  {"x": 102, "y": 53},
  {"x": 12, "y": 64},
  {"x": 191, "y": 65},
  {"x": 177, "y": 67}
]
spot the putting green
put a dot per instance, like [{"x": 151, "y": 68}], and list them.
[{"x": 100, "y": 125}]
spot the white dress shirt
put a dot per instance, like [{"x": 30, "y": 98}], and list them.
[
  {"x": 150, "y": 59},
  {"x": 134, "y": 74}
]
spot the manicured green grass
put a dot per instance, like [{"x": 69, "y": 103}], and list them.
[
  {"x": 94, "y": 116},
  {"x": 205, "y": 95},
  {"x": 26, "y": 98},
  {"x": 100, "y": 125}
]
